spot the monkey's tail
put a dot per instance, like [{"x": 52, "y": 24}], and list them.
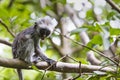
[{"x": 19, "y": 71}]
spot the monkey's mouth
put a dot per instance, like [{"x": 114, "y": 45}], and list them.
[
  {"x": 44, "y": 33},
  {"x": 42, "y": 38}
]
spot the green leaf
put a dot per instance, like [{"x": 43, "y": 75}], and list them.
[
  {"x": 62, "y": 1},
  {"x": 13, "y": 18},
  {"x": 98, "y": 27},
  {"x": 114, "y": 31},
  {"x": 78, "y": 30},
  {"x": 117, "y": 1},
  {"x": 94, "y": 77},
  {"x": 58, "y": 1},
  {"x": 97, "y": 40},
  {"x": 35, "y": 68},
  {"x": 90, "y": 15},
  {"x": 110, "y": 15},
  {"x": 100, "y": 73}
]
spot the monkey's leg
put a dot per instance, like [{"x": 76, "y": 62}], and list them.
[
  {"x": 19, "y": 71},
  {"x": 35, "y": 58}
]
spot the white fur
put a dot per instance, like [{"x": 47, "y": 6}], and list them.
[
  {"x": 27, "y": 36},
  {"x": 48, "y": 23}
]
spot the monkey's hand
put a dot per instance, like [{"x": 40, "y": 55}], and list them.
[
  {"x": 45, "y": 58},
  {"x": 51, "y": 62}
]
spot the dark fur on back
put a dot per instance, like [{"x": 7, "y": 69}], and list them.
[{"x": 19, "y": 41}]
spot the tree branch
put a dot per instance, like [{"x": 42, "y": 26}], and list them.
[
  {"x": 5, "y": 42},
  {"x": 60, "y": 66},
  {"x": 113, "y": 5},
  {"x": 94, "y": 50},
  {"x": 90, "y": 54},
  {"x": 92, "y": 58},
  {"x": 6, "y": 27}
]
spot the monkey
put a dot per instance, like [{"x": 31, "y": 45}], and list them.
[{"x": 26, "y": 44}]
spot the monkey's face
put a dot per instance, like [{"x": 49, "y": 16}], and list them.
[
  {"x": 43, "y": 33},
  {"x": 45, "y": 26}
]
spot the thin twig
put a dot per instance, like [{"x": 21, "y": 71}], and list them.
[
  {"x": 43, "y": 75},
  {"x": 113, "y": 5},
  {"x": 6, "y": 27},
  {"x": 51, "y": 66},
  {"x": 100, "y": 53},
  {"x": 5, "y": 42},
  {"x": 72, "y": 58},
  {"x": 79, "y": 67},
  {"x": 55, "y": 62},
  {"x": 10, "y": 3}
]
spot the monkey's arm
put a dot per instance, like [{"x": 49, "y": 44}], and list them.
[{"x": 38, "y": 52}]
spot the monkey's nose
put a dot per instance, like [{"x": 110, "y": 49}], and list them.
[{"x": 43, "y": 37}]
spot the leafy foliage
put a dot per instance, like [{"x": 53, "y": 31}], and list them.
[{"x": 97, "y": 19}]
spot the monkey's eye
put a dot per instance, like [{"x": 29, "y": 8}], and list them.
[{"x": 47, "y": 32}]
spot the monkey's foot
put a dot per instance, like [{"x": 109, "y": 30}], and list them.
[
  {"x": 51, "y": 62},
  {"x": 35, "y": 59}
]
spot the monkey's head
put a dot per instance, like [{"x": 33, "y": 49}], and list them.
[{"x": 45, "y": 26}]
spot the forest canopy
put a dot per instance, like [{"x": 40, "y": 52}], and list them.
[{"x": 85, "y": 43}]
